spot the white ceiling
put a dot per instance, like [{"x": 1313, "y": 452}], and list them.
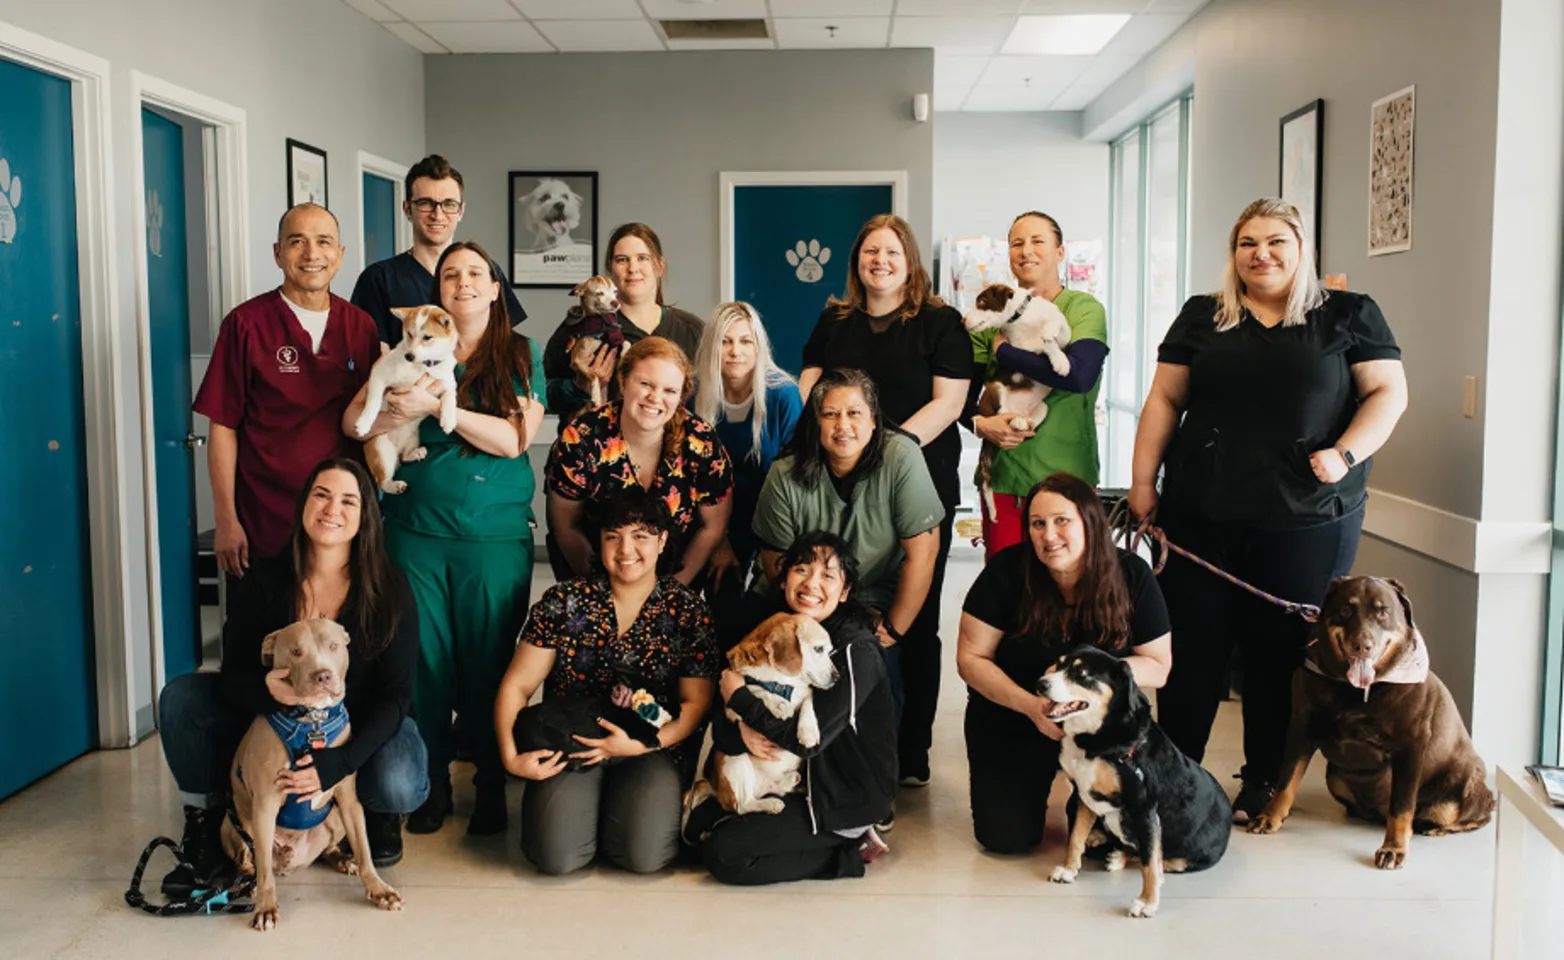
[{"x": 966, "y": 35}]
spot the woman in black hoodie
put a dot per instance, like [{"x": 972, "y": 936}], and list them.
[{"x": 826, "y": 830}]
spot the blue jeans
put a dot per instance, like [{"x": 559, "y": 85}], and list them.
[{"x": 201, "y": 731}]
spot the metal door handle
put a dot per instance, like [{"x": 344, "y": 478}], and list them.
[{"x": 192, "y": 441}]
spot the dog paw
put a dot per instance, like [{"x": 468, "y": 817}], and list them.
[
  {"x": 414, "y": 455},
  {"x": 1114, "y": 861},
  {"x": 808, "y": 260},
  {"x": 1020, "y": 423},
  {"x": 340, "y": 862},
  {"x": 361, "y": 426},
  {"x": 1063, "y": 874},
  {"x": 1061, "y": 365},
  {"x": 1266, "y": 823},
  {"x": 1141, "y": 910},
  {"x": 394, "y": 486},
  {"x": 384, "y": 897},
  {"x": 448, "y": 424},
  {"x": 265, "y": 915},
  {"x": 771, "y": 805},
  {"x": 1389, "y": 858},
  {"x": 808, "y": 732}
]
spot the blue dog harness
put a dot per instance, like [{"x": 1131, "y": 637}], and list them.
[
  {"x": 783, "y": 690},
  {"x": 303, "y": 730}
]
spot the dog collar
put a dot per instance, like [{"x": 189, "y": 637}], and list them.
[
  {"x": 433, "y": 363},
  {"x": 1020, "y": 307},
  {"x": 771, "y": 686},
  {"x": 1412, "y": 669}
]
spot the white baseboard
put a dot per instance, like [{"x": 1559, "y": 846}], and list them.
[{"x": 1471, "y": 545}]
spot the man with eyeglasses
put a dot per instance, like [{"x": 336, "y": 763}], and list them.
[{"x": 434, "y": 206}]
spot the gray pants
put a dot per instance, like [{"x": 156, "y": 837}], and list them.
[{"x": 630, "y": 808}]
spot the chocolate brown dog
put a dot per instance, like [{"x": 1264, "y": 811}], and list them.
[{"x": 1395, "y": 747}]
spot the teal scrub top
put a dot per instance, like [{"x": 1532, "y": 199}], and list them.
[{"x": 459, "y": 492}]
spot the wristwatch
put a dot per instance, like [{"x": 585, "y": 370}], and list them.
[{"x": 1346, "y": 455}]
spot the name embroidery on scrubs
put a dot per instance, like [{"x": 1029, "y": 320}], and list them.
[{"x": 287, "y": 360}]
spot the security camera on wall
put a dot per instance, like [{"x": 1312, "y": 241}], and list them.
[{"x": 920, "y": 108}]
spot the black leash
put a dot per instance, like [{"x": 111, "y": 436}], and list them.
[{"x": 229, "y": 899}]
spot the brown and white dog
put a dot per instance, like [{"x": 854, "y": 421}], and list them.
[
  {"x": 783, "y": 661},
  {"x": 315, "y": 654},
  {"x": 428, "y": 346},
  {"x": 1396, "y": 750},
  {"x": 1030, "y": 323},
  {"x": 597, "y": 330}
]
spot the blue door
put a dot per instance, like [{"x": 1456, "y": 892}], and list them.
[
  {"x": 168, "y": 302},
  {"x": 379, "y": 218},
  {"x": 48, "y": 713},
  {"x": 790, "y": 252}
]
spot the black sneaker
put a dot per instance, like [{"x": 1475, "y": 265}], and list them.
[
  {"x": 201, "y": 850},
  {"x": 430, "y": 817},
  {"x": 489, "y": 816},
  {"x": 385, "y": 837},
  {"x": 1252, "y": 798},
  {"x": 889, "y": 823},
  {"x": 914, "y": 774},
  {"x": 702, "y": 813}
]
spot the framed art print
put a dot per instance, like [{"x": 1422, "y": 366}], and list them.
[
  {"x": 1390, "y": 172},
  {"x": 1302, "y": 134},
  {"x": 553, "y": 228},
  {"x": 306, "y": 174}
]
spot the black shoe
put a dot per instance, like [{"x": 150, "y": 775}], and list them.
[
  {"x": 385, "y": 837},
  {"x": 489, "y": 816},
  {"x": 1252, "y": 798},
  {"x": 888, "y": 824},
  {"x": 201, "y": 850},
  {"x": 914, "y": 774},
  {"x": 701, "y": 816},
  {"x": 430, "y": 817}
]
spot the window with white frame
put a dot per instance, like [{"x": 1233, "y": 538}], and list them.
[{"x": 1149, "y": 195}]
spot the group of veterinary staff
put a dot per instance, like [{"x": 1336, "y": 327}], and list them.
[{"x": 712, "y": 490}]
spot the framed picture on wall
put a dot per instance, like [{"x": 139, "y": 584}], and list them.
[
  {"x": 786, "y": 242},
  {"x": 553, "y": 228},
  {"x": 1390, "y": 172},
  {"x": 1302, "y": 134},
  {"x": 306, "y": 174}
]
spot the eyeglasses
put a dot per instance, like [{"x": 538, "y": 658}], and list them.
[{"x": 426, "y": 206}]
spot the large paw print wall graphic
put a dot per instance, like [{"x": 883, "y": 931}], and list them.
[
  {"x": 809, "y": 259},
  {"x": 10, "y": 199}
]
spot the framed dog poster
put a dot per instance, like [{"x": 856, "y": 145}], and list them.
[
  {"x": 1303, "y": 132},
  {"x": 306, "y": 174},
  {"x": 553, "y": 228}
]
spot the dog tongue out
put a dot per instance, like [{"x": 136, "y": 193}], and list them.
[{"x": 1361, "y": 674}]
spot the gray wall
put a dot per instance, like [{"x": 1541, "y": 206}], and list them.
[
  {"x": 988, "y": 167},
  {"x": 316, "y": 71},
  {"x": 659, "y": 128}
]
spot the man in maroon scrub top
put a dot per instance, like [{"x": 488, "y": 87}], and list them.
[{"x": 283, "y": 369}]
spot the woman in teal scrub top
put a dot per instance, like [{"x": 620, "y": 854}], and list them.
[{"x": 462, "y": 531}]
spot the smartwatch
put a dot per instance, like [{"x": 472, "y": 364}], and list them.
[{"x": 1347, "y": 456}]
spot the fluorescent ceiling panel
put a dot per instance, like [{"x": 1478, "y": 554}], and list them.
[{"x": 1067, "y": 34}]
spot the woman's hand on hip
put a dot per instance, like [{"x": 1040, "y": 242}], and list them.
[
  {"x": 616, "y": 744},
  {"x": 998, "y": 431},
  {"x": 1037, "y": 711},
  {"x": 1328, "y": 465},
  {"x": 536, "y": 764},
  {"x": 1143, "y": 500}
]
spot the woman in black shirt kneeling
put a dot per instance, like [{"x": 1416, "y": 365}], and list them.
[{"x": 1073, "y": 586}]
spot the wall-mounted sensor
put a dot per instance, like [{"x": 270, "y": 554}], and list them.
[{"x": 920, "y": 108}]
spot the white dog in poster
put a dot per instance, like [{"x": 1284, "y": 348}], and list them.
[{"x": 551, "y": 211}]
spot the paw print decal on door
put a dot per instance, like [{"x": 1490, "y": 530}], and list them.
[
  {"x": 10, "y": 199},
  {"x": 809, "y": 259}
]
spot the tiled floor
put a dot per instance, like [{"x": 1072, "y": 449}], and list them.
[{"x": 67, "y": 846}]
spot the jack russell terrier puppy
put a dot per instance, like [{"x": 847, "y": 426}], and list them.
[{"x": 428, "y": 346}]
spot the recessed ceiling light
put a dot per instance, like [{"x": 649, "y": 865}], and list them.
[{"x": 1076, "y": 34}]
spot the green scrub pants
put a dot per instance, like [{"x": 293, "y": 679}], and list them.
[{"x": 472, "y": 599}]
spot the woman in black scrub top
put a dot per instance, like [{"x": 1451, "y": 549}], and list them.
[
  {"x": 891, "y": 326},
  {"x": 1269, "y": 398}
]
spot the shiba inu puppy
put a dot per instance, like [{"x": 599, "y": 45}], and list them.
[{"x": 428, "y": 346}]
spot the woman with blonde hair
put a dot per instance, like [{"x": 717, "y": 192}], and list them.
[
  {"x": 891, "y": 326},
  {"x": 648, "y": 439},
  {"x": 1269, "y": 398},
  {"x": 754, "y": 406}
]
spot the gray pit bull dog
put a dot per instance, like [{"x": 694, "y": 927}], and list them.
[{"x": 315, "y": 653}]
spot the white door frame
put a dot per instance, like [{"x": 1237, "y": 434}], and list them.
[
  {"x": 232, "y": 281},
  {"x": 396, "y": 173},
  {"x": 897, "y": 179},
  {"x": 108, "y": 514}
]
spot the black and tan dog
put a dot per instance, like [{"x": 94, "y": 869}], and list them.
[
  {"x": 1395, "y": 748},
  {"x": 1159, "y": 805}
]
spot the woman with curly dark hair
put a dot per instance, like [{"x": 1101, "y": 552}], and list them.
[{"x": 1073, "y": 586}]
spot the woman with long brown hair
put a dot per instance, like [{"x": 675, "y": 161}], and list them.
[
  {"x": 463, "y": 528},
  {"x": 336, "y": 567},
  {"x": 1074, "y": 586},
  {"x": 891, "y": 326}
]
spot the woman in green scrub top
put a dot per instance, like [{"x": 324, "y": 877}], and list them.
[{"x": 462, "y": 531}]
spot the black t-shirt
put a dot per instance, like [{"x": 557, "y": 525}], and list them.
[
  {"x": 681, "y": 327},
  {"x": 998, "y": 597},
  {"x": 902, "y": 358},
  {"x": 1260, "y": 401},
  {"x": 401, "y": 281}
]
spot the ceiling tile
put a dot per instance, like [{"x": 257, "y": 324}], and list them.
[
  {"x": 1048, "y": 70},
  {"x": 1079, "y": 96},
  {"x": 955, "y": 8},
  {"x": 448, "y": 11},
  {"x": 1084, "y": 6},
  {"x": 1144, "y": 34},
  {"x": 831, "y": 8},
  {"x": 958, "y": 69},
  {"x": 600, "y": 35},
  {"x": 1106, "y": 68},
  {"x": 1034, "y": 98},
  {"x": 851, "y": 32},
  {"x": 952, "y": 34},
  {"x": 374, "y": 10},
  {"x": 722, "y": 45},
  {"x": 580, "y": 9},
  {"x": 516, "y": 36},
  {"x": 415, "y": 37},
  {"x": 1175, "y": 6},
  {"x": 949, "y": 99},
  {"x": 714, "y": 10}
]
